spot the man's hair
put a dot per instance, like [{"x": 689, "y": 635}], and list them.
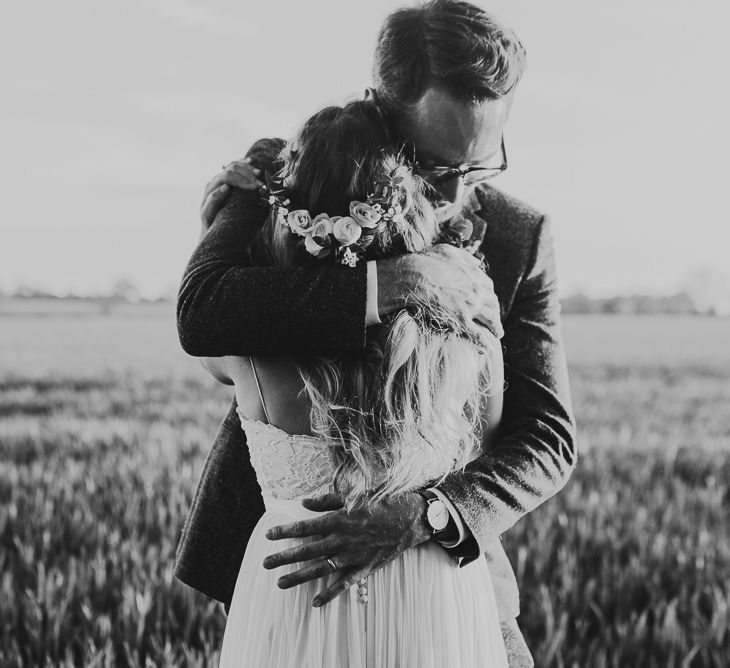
[{"x": 447, "y": 43}]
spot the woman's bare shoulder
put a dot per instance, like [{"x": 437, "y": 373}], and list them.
[{"x": 277, "y": 385}]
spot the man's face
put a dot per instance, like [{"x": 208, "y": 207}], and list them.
[{"x": 448, "y": 132}]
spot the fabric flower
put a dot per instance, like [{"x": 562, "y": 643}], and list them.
[
  {"x": 364, "y": 214},
  {"x": 349, "y": 258},
  {"x": 299, "y": 221},
  {"x": 318, "y": 241},
  {"x": 321, "y": 230},
  {"x": 346, "y": 231},
  {"x": 313, "y": 248}
]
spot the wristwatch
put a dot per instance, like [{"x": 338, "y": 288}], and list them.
[{"x": 437, "y": 514}]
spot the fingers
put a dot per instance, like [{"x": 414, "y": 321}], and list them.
[
  {"x": 480, "y": 335},
  {"x": 487, "y": 310},
  {"x": 442, "y": 249},
  {"x": 489, "y": 321},
  {"x": 484, "y": 304},
  {"x": 483, "y": 316},
  {"x": 213, "y": 203},
  {"x": 340, "y": 586},
  {"x": 323, "y": 503},
  {"x": 294, "y": 555},
  {"x": 239, "y": 173},
  {"x": 458, "y": 283},
  {"x": 317, "y": 526},
  {"x": 448, "y": 253},
  {"x": 311, "y": 571},
  {"x": 242, "y": 174},
  {"x": 459, "y": 259},
  {"x": 216, "y": 182}
]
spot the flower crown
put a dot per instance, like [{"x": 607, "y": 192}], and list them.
[
  {"x": 347, "y": 237},
  {"x": 344, "y": 237}
]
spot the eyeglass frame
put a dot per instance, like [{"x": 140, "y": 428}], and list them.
[{"x": 450, "y": 172}]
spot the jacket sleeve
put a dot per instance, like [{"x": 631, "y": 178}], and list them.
[
  {"x": 228, "y": 306},
  {"x": 535, "y": 453}
]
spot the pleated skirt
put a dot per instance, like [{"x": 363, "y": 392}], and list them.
[{"x": 423, "y": 611}]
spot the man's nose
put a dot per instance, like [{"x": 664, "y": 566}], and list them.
[{"x": 452, "y": 189}]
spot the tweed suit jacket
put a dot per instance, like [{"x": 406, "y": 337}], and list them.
[{"x": 229, "y": 306}]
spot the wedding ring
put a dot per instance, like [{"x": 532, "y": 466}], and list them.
[{"x": 332, "y": 564}]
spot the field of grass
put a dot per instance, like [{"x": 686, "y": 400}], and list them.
[{"x": 104, "y": 425}]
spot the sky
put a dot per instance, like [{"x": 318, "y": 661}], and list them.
[{"x": 114, "y": 115}]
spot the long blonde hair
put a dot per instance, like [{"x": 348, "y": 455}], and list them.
[{"x": 406, "y": 410}]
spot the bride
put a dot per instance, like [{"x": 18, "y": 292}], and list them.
[{"x": 419, "y": 402}]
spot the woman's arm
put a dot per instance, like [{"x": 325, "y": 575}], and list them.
[
  {"x": 236, "y": 371},
  {"x": 228, "y": 306},
  {"x": 218, "y": 368}
]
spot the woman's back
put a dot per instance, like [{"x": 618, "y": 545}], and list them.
[
  {"x": 290, "y": 462},
  {"x": 269, "y": 390}
]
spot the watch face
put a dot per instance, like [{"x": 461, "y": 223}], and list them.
[{"x": 438, "y": 515}]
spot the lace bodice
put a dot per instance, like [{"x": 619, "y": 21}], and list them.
[
  {"x": 288, "y": 466},
  {"x": 294, "y": 466}
]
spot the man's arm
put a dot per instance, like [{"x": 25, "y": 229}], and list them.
[{"x": 535, "y": 453}]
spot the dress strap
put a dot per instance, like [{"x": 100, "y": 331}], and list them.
[{"x": 258, "y": 387}]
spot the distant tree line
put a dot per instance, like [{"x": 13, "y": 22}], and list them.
[
  {"x": 681, "y": 304},
  {"x": 123, "y": 291}
]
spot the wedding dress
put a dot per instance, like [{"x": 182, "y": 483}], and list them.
[{"x": 422, "y": 609}]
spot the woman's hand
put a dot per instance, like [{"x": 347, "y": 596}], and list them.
[
  {"x": 357, "y": 543},
  {"x": 239, "y": 173}
]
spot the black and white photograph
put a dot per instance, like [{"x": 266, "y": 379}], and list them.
[{"x": 364, "y": 334}]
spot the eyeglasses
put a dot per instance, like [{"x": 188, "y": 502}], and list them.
[
  {"x": 471, "y": 174},
  {"x": 438, "y": 174}
]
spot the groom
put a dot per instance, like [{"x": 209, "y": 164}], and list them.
[{"x": 444, "y": 75}]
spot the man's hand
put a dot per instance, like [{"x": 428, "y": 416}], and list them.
[
  {"x": 358, "y": 543},
  {"x": 449, "y": 277},
  {"x": 240, "y": 173}
]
